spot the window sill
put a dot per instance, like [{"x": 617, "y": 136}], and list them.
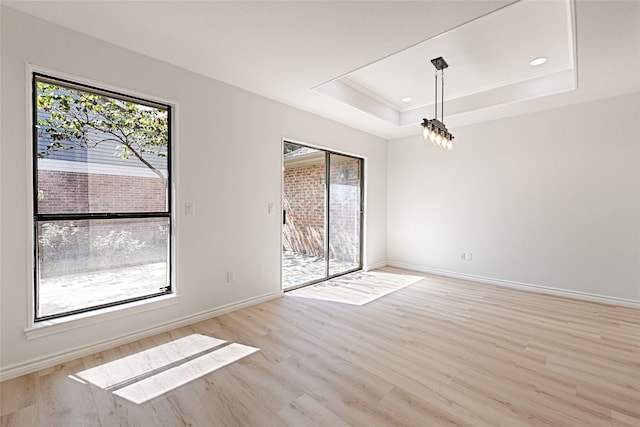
[{"x": 56, "y": 326}]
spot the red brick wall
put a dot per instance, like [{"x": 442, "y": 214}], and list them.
[
  {"x": 64, "y": 192},
  {"x": 304, "y": 204},
  {"x": 304, "y": 207}
]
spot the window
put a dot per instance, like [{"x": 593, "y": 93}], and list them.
[{"x": 101, "y": 197}]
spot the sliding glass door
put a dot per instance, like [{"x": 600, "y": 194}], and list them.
[
  {"x": 322, "y": 217},
  {"x": 303, "y": 228},
  {"x": 345, "y": 213}
]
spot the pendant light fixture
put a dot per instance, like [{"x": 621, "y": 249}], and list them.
[{"x": 434, "y": 130}]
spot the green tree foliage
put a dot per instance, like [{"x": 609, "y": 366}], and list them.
[
  {"x": 290, "y": 147},
  {"x": 57, "y": 237},
  {"x": 117, "y": 244},
  {"x": 76, "y": 119}
]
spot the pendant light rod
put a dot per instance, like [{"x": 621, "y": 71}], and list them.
[
  {"x": 435, "y": 106},
  {"x": 442, "y": 99},
  {"x": 440, "y": 64}
]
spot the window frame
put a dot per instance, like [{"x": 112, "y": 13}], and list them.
[{"x": 76, "y": 84}]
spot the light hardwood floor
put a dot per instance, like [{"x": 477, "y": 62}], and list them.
[{"x": 439, "y": 352}]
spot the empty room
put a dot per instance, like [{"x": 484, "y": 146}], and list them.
[{"x": 320, "y": 213}]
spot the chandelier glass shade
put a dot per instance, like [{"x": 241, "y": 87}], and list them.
[{"x": 434, "y": 130}]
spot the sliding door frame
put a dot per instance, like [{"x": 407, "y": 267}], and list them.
[{"x": 327, "y": 157}]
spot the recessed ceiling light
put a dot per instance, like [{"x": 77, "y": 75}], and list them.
[
  {"x": 538, "y": 61},
  {"x": 407, "y": 99}
]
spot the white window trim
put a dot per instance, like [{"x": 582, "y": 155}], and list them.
[{"x": 63, "y": 324}]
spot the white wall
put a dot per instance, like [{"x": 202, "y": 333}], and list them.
[
  {"x": 228, "y": 164},
  {"x": 550, "y": 199}
]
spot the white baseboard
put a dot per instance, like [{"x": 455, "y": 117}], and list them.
[
  {"x": 522, "y": 286},
  {"x": 375, "y": 266},
  {"x": 44, "y": 362}
]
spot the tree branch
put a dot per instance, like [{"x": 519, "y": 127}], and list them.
[{"x": 130, "y": 147}]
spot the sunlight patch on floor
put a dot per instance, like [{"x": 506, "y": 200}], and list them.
[
  {"x": 357, "y": 288},
  {"x": 159, "y": 384},
  {"x": 148, "y": 374},
  {"x": 117, "y": 372}
]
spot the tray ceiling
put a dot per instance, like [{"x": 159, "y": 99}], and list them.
[{"x": 489, "y": 64}]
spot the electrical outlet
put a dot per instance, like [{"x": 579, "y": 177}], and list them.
[{"x": 231, "y": 276}]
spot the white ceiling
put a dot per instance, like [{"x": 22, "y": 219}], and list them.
[{"x": 368, "y": 55}]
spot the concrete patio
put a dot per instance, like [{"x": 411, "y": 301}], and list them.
[
  {"x": 298, "y": 269},
  {"x": 76, "y": 291},
  {"x": 61, "y": 294}
]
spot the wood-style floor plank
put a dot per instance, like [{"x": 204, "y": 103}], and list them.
[{"x": 440, "y": 352}]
